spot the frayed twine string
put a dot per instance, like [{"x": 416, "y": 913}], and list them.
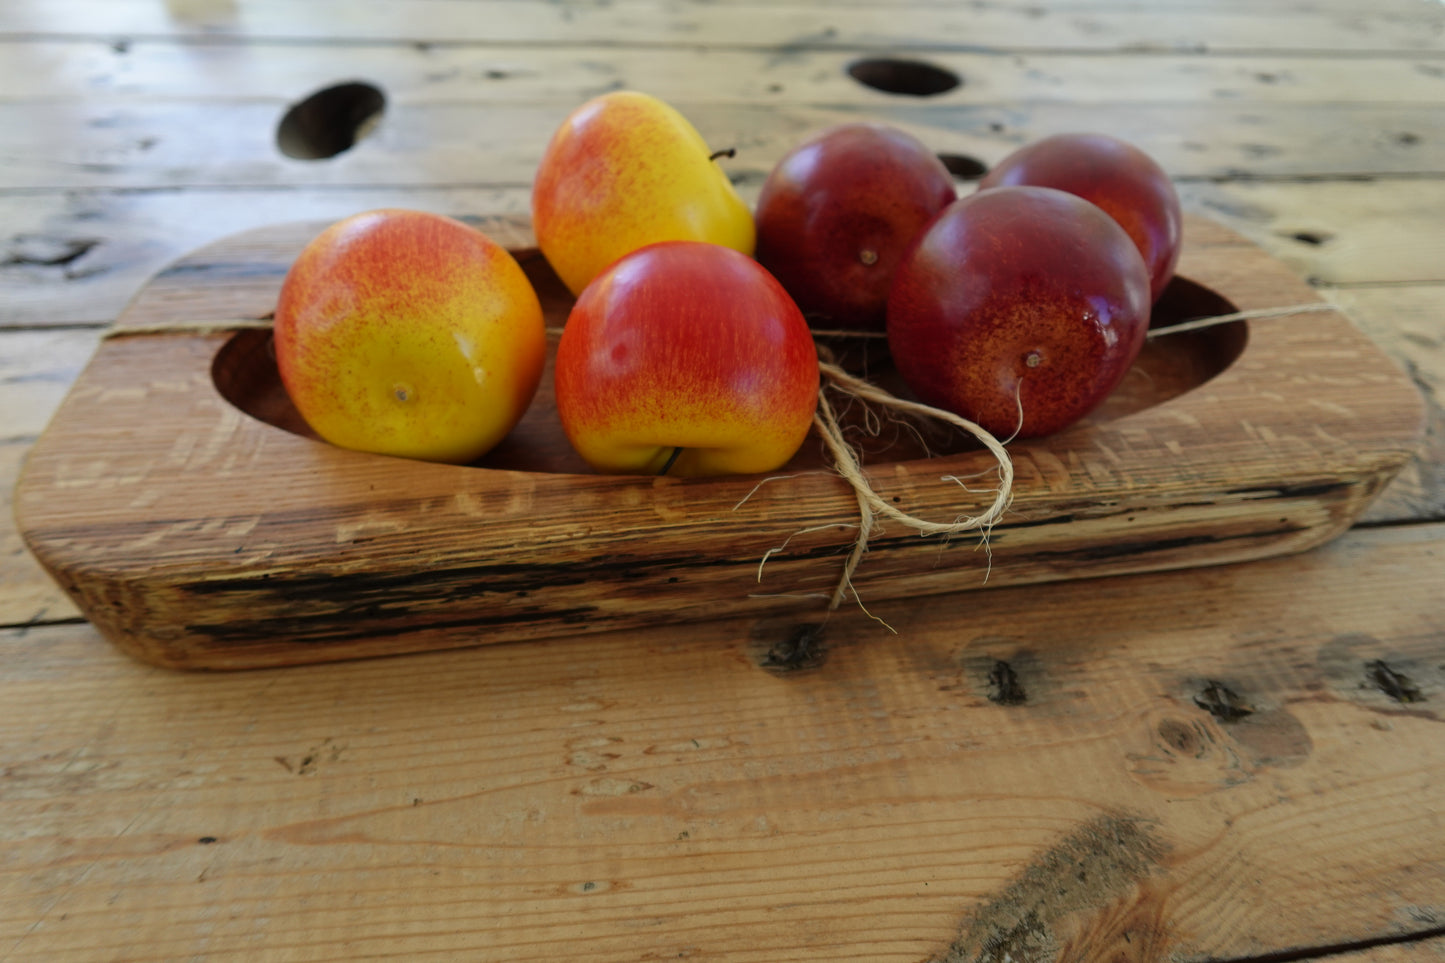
[
  {"x": 871, "y": 505},
  {"x": 1258, "y": 314}
]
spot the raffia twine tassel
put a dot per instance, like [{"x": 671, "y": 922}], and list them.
[{"x": 871, "y": 505}]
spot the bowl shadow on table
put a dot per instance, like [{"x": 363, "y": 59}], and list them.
[{"x": 245, "y": 373}]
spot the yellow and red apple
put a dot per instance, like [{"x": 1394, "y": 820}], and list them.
[
  {"x": 626, "y": 170},
  {"x": 686, "y": 358},
  {"x": 408, "y": 333}
]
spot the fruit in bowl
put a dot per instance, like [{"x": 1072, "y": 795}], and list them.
[
  {"x": 406, "y": 333},
  {"x": 625, "y": 170},
  {"x": 1113, "y": 174},
  {"x": 686, "y": 358},
  {"x": 1019, "y": 308},
  {"x": 837, "y": 213}
]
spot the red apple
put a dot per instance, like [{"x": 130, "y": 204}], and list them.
[
  {"x": 1020, "y": 308},
  {"x": 687, "y": 358},
  {"x": 837, "y": 212},
  {"x": 1117, "y": 176}
]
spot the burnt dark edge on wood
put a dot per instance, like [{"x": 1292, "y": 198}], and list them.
[
  {"x": 1310, "y": 490},
  {"x": 1339, "y": 949},
  {"x": 370, "y": 605},
  {"x": 304, "y": 631},
  {"x": 1142, "y": 547}
]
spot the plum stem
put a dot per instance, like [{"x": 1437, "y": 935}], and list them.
[{"x": 671, "y": 460}]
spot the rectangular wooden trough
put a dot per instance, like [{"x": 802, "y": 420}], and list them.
[{"x": 179, "y": 499}]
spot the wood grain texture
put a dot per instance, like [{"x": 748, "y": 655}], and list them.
[
  {"x": 1136, "y": 28},
  {"x": 1365, "y": 233},
  {"x": 302, "y": 552},
  {"x": 79, "y": 256},
  {"x": 36, "y": 370},
  {"x": 657, "y": 793},
  {"x": 1412, "y": 951},
  {"x": 109, "y": 73},
  {"x": 1409, "y": 322},
  {"x": 142, "y": 145},
  {"x": 27, "y": 594},
  {"x": 103, "y": 172},
  {"x": 1212, "y": 749}
]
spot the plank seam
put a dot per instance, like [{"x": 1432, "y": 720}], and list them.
[
  {"x": 1340, "y": 949},
  {"x": 1127, "y": 50}
]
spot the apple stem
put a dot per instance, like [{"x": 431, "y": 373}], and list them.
[
  {"x": 671, "y": 460},
  {"x": 727, "y": 152}
]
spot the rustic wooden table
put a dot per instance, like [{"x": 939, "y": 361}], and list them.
[{"x": 1238, "y": 762}]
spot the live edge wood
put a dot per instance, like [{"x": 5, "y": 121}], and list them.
[{"x": 197, "y": 525}]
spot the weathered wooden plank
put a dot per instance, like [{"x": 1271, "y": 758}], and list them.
[
  {"x": 27, "y": 594},
  {"x": 1409, "y": 323},
  {"x": 36, "y": 370},
  {"x": 1413, "y": 951},
  {"x": 1021, "y": 27},
  {"x": 1218, "y": 772},
  {"x": 168, "y": 144},
  {"x": 409, "y": 75},
  {"x": 1362, "y": 231},
  {"x": 78, "y": 256}
]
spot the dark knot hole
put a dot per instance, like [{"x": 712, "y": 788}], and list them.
[
  {"x": 330, "y": 121},
  {"x": 913, "y": 78}
]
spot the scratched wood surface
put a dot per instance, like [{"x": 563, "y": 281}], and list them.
[
  {"x": 1391, "y": 27},
  {"x": 1235, "y": 762},
  {"x": 434, "y": 806}
]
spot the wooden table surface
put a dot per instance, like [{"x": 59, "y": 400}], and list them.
[{"x": 1238, "y": 762}]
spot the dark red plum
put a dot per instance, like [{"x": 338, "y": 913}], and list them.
[
  {"x": 838, "y": 212},
  {"x": 1019, "y": 308},
  {"x": 1117, "y": 176}
]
